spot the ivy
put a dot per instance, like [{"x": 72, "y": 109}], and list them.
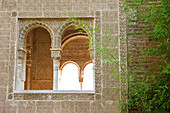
[{"x": 150, "y": 92}]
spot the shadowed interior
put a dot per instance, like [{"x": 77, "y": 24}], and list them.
[{"x": 39, "y": 68}]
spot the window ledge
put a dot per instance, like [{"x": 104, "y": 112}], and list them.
[{"x": 56, "y": 91}]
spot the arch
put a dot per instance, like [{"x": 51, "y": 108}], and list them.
[
  {"x": 91, "y": 61},
  {"x": 70, "y": 77},
  {"x": 71, "y": 23},
  {"x": 68, "y": 63},
  {"x": 88, "y": 77},
  {"x": 39, "y": 64},
  {"x": 74, "y": 47},
  {"x": 30, "y": 27},
  {"x": 78, "y": 49},
  {"x": 72, "y": 39},
  {"x": 72, "y": 31}
]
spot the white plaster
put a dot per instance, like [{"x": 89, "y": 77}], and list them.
[{"x": 55, "y": 74}]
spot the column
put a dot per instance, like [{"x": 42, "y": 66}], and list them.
[
  {"x": 81, "y": 82},
  {"x": 21, "y": 65},
  {"x": 28, "y": 75},
  {"x": 55, "y": 55}
]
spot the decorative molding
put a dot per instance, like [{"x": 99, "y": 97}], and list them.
[
  {"x": 56, "y": 53},
  {"x": 28, "y": 27},
  {"x": 54, "y": 28}
]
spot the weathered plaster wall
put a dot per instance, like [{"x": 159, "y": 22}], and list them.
[{"x": 105, "y": 13}]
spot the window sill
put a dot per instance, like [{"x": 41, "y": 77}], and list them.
[{"x": 57, "y": 91}]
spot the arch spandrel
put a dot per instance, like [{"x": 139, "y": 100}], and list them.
[
  {"x": 24, "y": 31},
  {"x": 67, "y": 25}
]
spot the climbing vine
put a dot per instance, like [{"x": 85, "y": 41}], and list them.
[{"x": 148, "y": 80}]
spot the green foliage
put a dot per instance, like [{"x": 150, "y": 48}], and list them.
[{"x": 150, "y": 91}]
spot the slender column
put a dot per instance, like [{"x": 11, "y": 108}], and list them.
[
  {"x": 55, "y": 74},
  {"x": 81, "y": 82},
  {"x": 29, "y": 62},
  {"x": 60, "y": 77},
  {"x": 21, "y": 69},
  {"x": 28, "y": 76},
  {"x": 55, "y": 55},
  {"x": 81, "y": 74}
]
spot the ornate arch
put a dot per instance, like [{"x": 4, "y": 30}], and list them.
[
  {"x": 71, "y": 23},
  {"x": 72, "y": 39},
  {"x": 91, "y": 61},
  {"x": 24, "y": 31},
  {"x": 21, "y": 53},
  {"x": 68, "y": 62}
]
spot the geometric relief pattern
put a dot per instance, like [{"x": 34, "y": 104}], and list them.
[
  {"x": 80, "y": 97},
  {"x": 41, "y": 85}
]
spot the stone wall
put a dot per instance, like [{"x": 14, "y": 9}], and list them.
[{"x": 104, "y": 12}]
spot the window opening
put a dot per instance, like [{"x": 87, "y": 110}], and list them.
[
  {"x": 88, "y": 77},
  {"x": 69, "y": 78},
  {"x": 39, "y": 64},
  {"x": 75, "y": 48},
  {"x": 37, "y": 61}
]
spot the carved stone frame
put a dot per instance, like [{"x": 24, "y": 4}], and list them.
[
  {"x": 19, "y": 94},
  {"x": 14, "y": 95}
]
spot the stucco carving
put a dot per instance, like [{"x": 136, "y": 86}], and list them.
[
  {"x": 28, "y": 27},
  {"x": 55, "y": 27}
]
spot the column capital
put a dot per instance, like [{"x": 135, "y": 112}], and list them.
[
  {"x": 56, "y": 53},
  {"x": 80, "y": 79},
  {"x": 29, "y": 63},
  {"x": 21, "y": 53}
]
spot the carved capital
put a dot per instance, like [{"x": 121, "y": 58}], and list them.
[
  {"x": 81, "y": 79},
  {"x": 21, "y": 53},
  {"x": 29, "y": 63},
  {"x": 56, "y": 53}
]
